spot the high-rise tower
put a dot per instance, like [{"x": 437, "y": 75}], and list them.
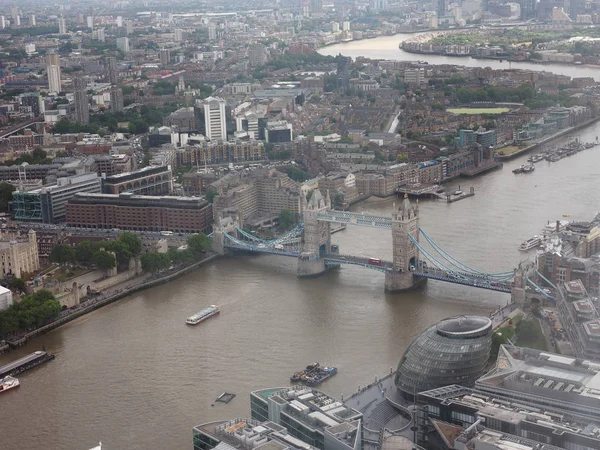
[
  {"x": 82, "y": 108},
  {"x": 53, "y": 71}
]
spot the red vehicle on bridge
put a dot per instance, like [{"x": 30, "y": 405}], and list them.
[{"x": 374, "y": 261}]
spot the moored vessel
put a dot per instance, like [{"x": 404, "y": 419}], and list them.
[
  {"x": 530, "y": 243},
  {"x": 7, "y": 383},
  {"x": 313, "y": 375},
  {"x": 201, "y": 316}
]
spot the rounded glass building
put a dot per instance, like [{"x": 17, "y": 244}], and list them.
[{"x": 454, "y": 351}]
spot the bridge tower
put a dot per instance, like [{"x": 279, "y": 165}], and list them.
[
  {"x": 221, "y": 226},
  {"x": 317, "y": 236},
  {"x": 518, "y": 291},
  {"x": 405, "y": 253}
]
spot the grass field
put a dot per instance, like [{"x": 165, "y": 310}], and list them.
[{"x": 478, "y": 110}]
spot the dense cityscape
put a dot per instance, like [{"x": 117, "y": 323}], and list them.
[{"x": 387, "y": 209}]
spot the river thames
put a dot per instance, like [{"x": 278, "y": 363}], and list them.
[{"x": 135, "y": 376}]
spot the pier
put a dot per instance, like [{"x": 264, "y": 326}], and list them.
[
  {"x": 451, "y": 198},
  {"x": 25, "y": 363}
]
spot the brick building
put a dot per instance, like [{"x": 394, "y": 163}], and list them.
[{"x": 127, "y": 211}]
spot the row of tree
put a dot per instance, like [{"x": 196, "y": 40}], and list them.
[
  {"x": 196, "y": 245},
  {"x": 33, "y": 310},
  {"x": 98, "y": 253}
]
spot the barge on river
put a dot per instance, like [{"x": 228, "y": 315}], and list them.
[
  {"x": 313, "y": 375},
  {"x": 25, "y": 363}
]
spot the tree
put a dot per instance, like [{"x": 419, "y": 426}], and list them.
[
  {"x": 104, "y": 260},
  {"x": 62, "y": 254},
  {"x": 154, "y": 261},
  {"x": 84, "y": 252},
  {"x": 338, "y": 199},
  {"x": 6, "y": 191},
  {"x": 286, "y": 219},
  {"x": 120, "y": 250},
  {"x": 17, "y": 284},
  {"x": 132, "y": 241},
  {"x": 198, "y": 244},
  {"x": 210, "y": 195}
]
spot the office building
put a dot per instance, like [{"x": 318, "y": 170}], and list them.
[
  {"x": 19, "y": 255},
  {"x": 257, "y": 55},
  {"x": 2, "y": 22},
  {"x": 48, "y": 203},
  {"x": 221, "y": 152},
  {"x": 90, "y": 21},
  {"x": 34, "y": 101},
  {"x": 5, "y": 298},
  {"x": 430, "y": 361},
  {"x": 16, "y": 21},
  {"x": 129, "y": 27},
  {"x": 196, "y": 183},
  {"x": 212, "y": 33},
  {"x": 123, "y": 44},
  {"x": 184, "y": 119},
  {"x": 82, "y": 106},
  {"x": 215, "y": 119},
  {"x": 116, "y": 99},
  {"x": 379, "y": 5},
  {"x": 259, "y": 198},
  {"x": 151, "y": 180},
  {"x": 53, "y": 71},
  {"x": 165, "y": 56},
  {"x": 246, "y": 434},
  {"x": 415, "y": 76},
  {"x": 112, "y": 70},
  {"x": 108, "y": 165},
  {"x": 100, "y": 34},
  {"x": 549, "y": 399},
  {"x": 127, "y": 211},
  {"x": 119, "y": 21},
  {"x": 32, "y": 20},
  {"x": 580, "y": 319},
  {"x": 62, "y": 25},
  {"x": 310, "y": 415},
  {"x": 278, "y": 132}
]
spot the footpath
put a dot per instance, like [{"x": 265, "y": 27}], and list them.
[{"x": 108, "y": 296}]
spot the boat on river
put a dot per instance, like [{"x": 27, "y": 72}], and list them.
[
  {"x": 7, "y": 383},
  {"x": 201, "y": 316},
  {"x": 530, "y": 243}
]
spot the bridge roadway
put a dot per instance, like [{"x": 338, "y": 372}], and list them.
[
  {"x": 335, "y": 259},
  {"x": 474, "y": 280}
]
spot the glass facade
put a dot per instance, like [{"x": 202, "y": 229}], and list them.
[{"x": 454, "y": 351}]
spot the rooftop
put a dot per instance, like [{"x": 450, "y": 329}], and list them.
[
  {"x": 250, "y": 434},
  {"x": 572, "y": 382},
  {"x": 129, "y": 199},
  {"x": 464, "y": 326},
  {"x": 317, "y": 410}
]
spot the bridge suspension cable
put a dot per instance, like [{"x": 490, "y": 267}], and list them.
[
  {"x": 434, "y": 260},
  {"x": 537, "y": 288},
  {"x": 546, "y": 279},
  {"x": 460, "y": 265}
]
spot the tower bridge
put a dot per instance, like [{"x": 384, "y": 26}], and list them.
[{"x": 416, "y": 257}]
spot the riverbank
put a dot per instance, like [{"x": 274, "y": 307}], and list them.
[
  {"x": 546, "y": 140},
  {"x": 96, "y": 303}
]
